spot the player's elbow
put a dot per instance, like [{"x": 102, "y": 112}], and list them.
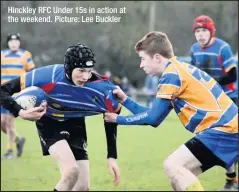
[
  {"x": 154, "y": 126},
  {"x": 153, "y": 122}
]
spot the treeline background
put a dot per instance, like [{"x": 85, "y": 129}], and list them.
[{"x": 114, "y": 43}]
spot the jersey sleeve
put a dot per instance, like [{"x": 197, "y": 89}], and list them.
[
  {"x": 37, "y": 77},
  {"x": 228, "y": 60},
  {"x": 29, "y": 65},
  {"x": 154, "y": 116},
  {"x": 169, "y": 85}
]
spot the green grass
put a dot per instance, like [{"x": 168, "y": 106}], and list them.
[{"x": 141, "y": 152}]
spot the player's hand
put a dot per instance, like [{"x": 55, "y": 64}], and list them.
[
  {"x": 120, "y": 95},
  {"x": 33, "y": 114},
  {"x": 110, "y": 117},
  {"x": 114, "y": 169}
]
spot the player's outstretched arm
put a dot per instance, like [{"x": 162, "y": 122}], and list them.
[
  {"x": 111, "y": 139},
  {"x": 128, "y": 102},
  {"x": 134, "y": 107},
  {"x": 153, "y": 117}
]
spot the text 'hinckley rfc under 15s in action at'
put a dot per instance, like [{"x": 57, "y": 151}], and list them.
[{"x": 67, "y": 10}]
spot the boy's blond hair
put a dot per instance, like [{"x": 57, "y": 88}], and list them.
[{"x": 155, "y": 42}]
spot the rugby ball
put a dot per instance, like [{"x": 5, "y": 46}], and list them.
[{"x": 30, "y": 97}]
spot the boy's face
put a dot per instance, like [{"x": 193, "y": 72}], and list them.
[
  {"x": 202, "y": 36},
  {"x": 14, "y": 44},
  {"x": 151, "y": 65},
  {"x": 81, "y": 75}
]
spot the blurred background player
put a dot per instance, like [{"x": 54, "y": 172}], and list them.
[
  {"x": 14, "y": 62},
  {"x": 109, "y": 75},
  {"x": 126, "y": 86},
  {"x": 150, "y": 88},
  {"x": 215, "y": 57},
  {"x": 112, "y": 78}
]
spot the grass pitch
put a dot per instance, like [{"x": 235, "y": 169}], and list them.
[{"x": 141, "y": 152}]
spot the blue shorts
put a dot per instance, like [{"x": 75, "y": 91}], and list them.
[
  {"x": 223, "y": 145},
  {"x": 4, "y": 111}
]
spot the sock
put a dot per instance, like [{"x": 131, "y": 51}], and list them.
[
  {"x": 196, "y": 186},
  {"x": 9, "y": 147},
  {"x": 55, "y": 189},
  {"x": 230, "y": 177},
  {"x": 17, "y": 139}
]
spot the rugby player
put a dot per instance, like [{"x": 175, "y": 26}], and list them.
[
  {"x": 201, "y": 105},
  {"x": 215, "y": 57},
  {"x": 73, "y": 92},
  {"x": 14, "y": 62}
]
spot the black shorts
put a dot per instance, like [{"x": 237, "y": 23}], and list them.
[
  {"x": 203, "y": 154},
  {"x": 73, "y": 131}
]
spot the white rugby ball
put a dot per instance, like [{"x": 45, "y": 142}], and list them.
[{"x": 30, "y": 97}]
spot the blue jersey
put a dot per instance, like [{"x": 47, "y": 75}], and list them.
[
  {"x": 65, "y": 100},
  {"x": 215, "y": 60}
]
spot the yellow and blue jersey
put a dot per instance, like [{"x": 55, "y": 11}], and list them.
[
  {"x": 216, "y": 60},
  {"x": 66, "y": 100},
  {"x": 15, "y": 63},
  {"x": 201, "y": 105},
  {"x": 187, "y": 86}
]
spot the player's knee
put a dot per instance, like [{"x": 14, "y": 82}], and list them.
[
  {"x": 169, "y": 166},
  {"x": 10, "y": 125},
  {"x": 71, "y": 174},
  {"x": 10, "y": 129}
]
